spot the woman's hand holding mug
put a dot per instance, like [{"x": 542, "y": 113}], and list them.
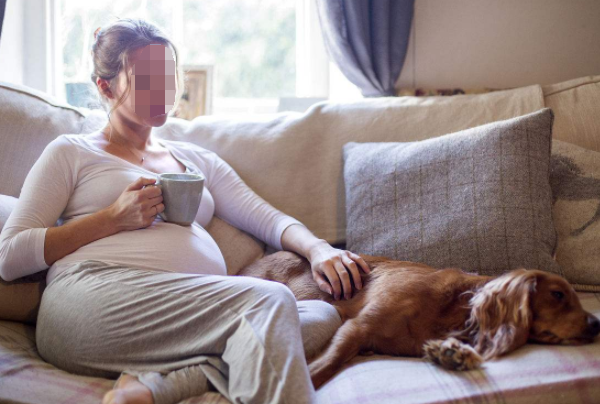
[{"x": 138, "y": 205}]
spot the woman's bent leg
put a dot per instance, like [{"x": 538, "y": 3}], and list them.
[
  {"x": 243, "y": 333},
  {"x": 318, "y": 323}
]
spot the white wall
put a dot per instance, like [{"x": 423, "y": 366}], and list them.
[
  {"x": 501, "y": 43},
  {"x": 454, "y": 43},
  {"x": 11, "y": 43}
]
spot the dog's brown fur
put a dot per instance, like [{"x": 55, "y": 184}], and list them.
[{"x": 454, "y": 318}]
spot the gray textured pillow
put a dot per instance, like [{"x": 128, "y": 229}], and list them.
[
  {"x": 478, "y": 199},
  {"x": 575, "y": 181}
]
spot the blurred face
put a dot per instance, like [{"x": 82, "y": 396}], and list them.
[{"x": 153, "y": 85}]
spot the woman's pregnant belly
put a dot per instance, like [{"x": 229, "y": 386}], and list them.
[{"x": 161, "y": 246}]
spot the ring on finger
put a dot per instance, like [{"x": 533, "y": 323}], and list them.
[{"x": 348, "y": 261}]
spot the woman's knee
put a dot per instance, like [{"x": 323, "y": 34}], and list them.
[
  {"x": 319, "y": 321},
  {"x": 272, "y": 291},
  {"x": 317, "y": 313},
  {"x": 279, "y": 295}
]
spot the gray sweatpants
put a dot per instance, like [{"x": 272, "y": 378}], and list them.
[{"x": 184, "y": 334}]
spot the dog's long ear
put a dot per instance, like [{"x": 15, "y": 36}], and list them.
[{"x": 501, "y": 313}]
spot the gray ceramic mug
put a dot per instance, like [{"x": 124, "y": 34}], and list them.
[{"x": 181, "y": 194}]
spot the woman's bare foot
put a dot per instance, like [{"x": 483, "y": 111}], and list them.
[{"x": 129, "y": 390}]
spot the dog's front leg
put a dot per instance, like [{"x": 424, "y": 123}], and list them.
[{"x": 452, "y": 354}]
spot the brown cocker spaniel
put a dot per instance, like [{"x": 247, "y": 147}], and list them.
[{"x": 453, "y": 318}]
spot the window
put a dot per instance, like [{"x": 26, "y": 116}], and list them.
[{"x": 261, "y": 50}]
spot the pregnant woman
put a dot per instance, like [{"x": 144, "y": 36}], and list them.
[{"x": 131, "y": 296}]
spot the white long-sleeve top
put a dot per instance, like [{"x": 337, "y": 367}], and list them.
[{"x": 73, "y": 178}]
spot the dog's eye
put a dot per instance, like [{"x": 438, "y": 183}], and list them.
[{"x": 558, "y": 295}]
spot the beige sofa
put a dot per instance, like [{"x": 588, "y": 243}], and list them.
[{"x": 294, "y": 161}]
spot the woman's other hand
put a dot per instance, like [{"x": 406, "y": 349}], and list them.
[
  {"x": 138, "y": 205},
  {"x": 332, "y": 267}
]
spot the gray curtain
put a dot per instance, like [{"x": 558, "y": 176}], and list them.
[
  {"x": 2, "y": 11},
  {"x": 367, "y": 40}
]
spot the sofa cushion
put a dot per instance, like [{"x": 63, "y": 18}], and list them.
[
  {"x": 297, "y": 152},
  {"x": 575, "y": 180},
  {"x": 577, "y": 115},
  {"x": 478, "y": 199},
  {"x": 26, "y": 378},
  {"x": 308, "y": 146},
  {"x": 29, "y": 121},
  {"x": 239, "y": 248},
  {"x": 535, "y": 373},
  {"x": 19, "y": 299},
  {"x": 302, "y": 149},
  {"x": 294, "y": 160},
  {"x": 548, "y": 374}
]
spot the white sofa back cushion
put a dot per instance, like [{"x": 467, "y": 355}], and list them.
[
  {"x": 29, "y": 120},
  {"x": 294, "y": 160},
  {"x": 576, "y": 106}
]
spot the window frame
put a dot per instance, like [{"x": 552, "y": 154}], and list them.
[{"x": 316, "y": 76}]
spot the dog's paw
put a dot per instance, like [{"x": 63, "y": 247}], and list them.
[
  {"x": 431, "y": 350},
  {"x": 452, "y": 354}
]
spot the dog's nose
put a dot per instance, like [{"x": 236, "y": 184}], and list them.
[{"x": 593, "y": 327}]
